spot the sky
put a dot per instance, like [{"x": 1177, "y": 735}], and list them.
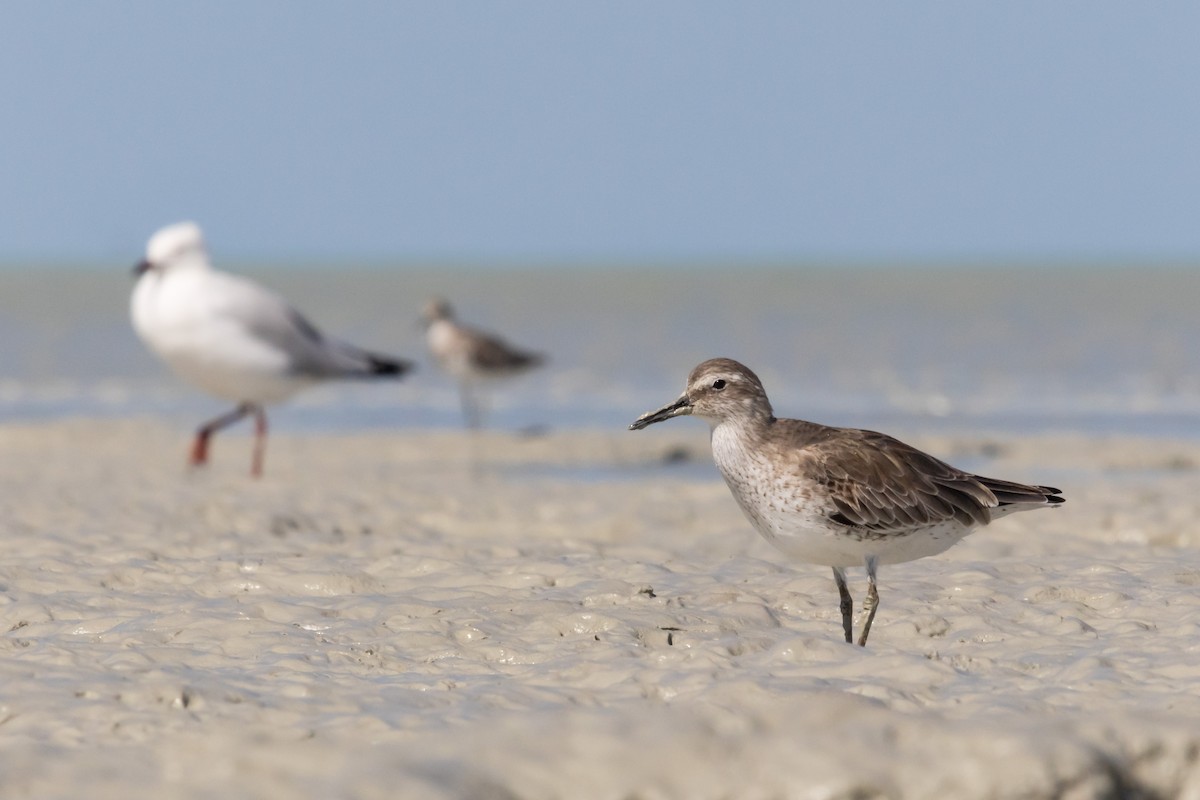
[{"x": 569, "y": 132}]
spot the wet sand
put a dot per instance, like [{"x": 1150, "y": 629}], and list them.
[{"x": 581, "y": 614}]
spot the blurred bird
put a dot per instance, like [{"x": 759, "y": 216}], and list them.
[
  {"x": 233, "y": 338},
  {"x": 471, "y": 356}
]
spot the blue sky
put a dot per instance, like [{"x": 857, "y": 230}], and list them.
[{"x": 560, "y": 132}]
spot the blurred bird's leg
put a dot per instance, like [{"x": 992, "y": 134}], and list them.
[
  {"x": 472, "y": 412},
  {"x": 260, "y": 441},
  {"x": 199, "y": 455}
]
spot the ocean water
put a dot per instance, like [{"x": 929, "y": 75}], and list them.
[{"x": 998, "y": 350}]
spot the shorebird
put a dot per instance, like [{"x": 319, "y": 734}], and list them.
[
  {"x": 233, "y": 338},
  {"x": 471, "y": 356},
  {"x": 838, "y": 497}
]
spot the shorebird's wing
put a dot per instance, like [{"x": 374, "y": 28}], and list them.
[
  {"x": 877, "y": 482},
  {"x": 489, "y": 352},
  {"x": 874, "y": 481}
]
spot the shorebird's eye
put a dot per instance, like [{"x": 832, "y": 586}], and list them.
[{"x": 719, "y": 384}]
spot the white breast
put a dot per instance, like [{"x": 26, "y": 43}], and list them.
[
  {"x": 779, "y": 505},
  {"x": 449, "y": 346},
  {"x": 181, "y": 317}
]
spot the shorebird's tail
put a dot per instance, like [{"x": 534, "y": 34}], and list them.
[
  {"x": 529, "y": 360},
  {"x": 1018, "y": 496}
]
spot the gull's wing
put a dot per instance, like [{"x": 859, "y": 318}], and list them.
[{"x": 269, "y": 320}]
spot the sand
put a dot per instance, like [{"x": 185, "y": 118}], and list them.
[{"x": 580, "y": 614}]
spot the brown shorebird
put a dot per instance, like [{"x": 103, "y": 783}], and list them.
[
  {"x": 232, "y": 338},
  {"x": 838, "y": 496},
  {"x": 471, "y": 356}
]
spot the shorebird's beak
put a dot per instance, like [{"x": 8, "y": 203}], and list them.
[
  {"x": 142, "y": 267},
  {"x": 680, "y": 408}
]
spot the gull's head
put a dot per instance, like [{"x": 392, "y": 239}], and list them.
[
  {"x": 717, "y": 390},
  {"x": 174, "y": 246}
]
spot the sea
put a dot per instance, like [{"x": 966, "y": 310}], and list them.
[{"x": 997, "y": 349}]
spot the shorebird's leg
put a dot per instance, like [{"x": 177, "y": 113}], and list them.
[
  {"x": 260, "y": 441},
  {"x": 871, "y": 604},
  {"x": 200, "y": 445},
  {"x": 470, "y": 406},
  {"x": 847, "y": 606}
]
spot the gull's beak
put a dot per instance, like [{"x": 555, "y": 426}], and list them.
[
  {"x": 142, "y": 267},
  {"x": 680, "y": 408}
]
